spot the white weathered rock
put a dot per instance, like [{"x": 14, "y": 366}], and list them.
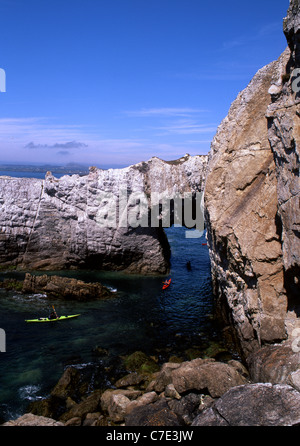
[{"x": 75, "y": 221}]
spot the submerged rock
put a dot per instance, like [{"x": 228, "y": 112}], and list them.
[
  {"x": 90, "y": 404},
  {"x": 11, "y": 284},
  {"x": 68, "y": 384},
  {"x": 140, "y": 362}
]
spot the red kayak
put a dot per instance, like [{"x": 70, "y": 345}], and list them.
[{"x": 166, "y": 284}]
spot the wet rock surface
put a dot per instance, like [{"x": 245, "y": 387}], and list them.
[{"x": 199, "y": 392}]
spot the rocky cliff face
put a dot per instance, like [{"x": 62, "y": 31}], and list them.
[
  {"x": 252, "y": 202},
  {"x": 284, "y": 136},
  {"x": 81, "y": 222}
]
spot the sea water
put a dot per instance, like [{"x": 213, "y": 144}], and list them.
[{"x": 140, "y": 316}]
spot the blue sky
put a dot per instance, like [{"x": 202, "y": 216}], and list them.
[{"x": 112, "y": 83}]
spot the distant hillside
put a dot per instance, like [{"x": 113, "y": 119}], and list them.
[{"x": 71, "y": 168}]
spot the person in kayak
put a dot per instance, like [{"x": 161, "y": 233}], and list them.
[{"x": 53, "y": 314}]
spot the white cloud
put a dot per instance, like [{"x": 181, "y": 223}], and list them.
[
  {"x": 187, "y": 127},
  {"x": 66, "y": 145},
  {"x": 163, "y": 112},
  {"x": 267, "y": 30},
  {"x": 270, "y": 29},
  {"x": 43, "y": 140},
  {"x": 174, "y": 121},
  {"x": 43, "y": 130}
]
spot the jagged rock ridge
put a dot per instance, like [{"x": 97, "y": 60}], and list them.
[{"x": 58, "y": 223}]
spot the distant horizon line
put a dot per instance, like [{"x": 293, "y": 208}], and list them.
[
  {"x": 51, "y": 166},
  {"x": 77, "y": 165}
]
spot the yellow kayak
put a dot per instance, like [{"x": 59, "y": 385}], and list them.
[{"x": 46, "y": 319}]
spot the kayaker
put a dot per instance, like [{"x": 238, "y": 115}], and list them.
[{"x": 53, "y": 314}]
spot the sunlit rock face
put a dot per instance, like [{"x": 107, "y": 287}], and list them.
[
  {"x": 92, "y": 221},
  {"x": 252, "y": 203}
]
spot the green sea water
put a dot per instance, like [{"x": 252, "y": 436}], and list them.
[{"x": 140, "y": 316}]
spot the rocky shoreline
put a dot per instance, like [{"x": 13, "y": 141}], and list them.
[
  {"x": 199, "y": 392},
  {"x": 58, "y": 287}
]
